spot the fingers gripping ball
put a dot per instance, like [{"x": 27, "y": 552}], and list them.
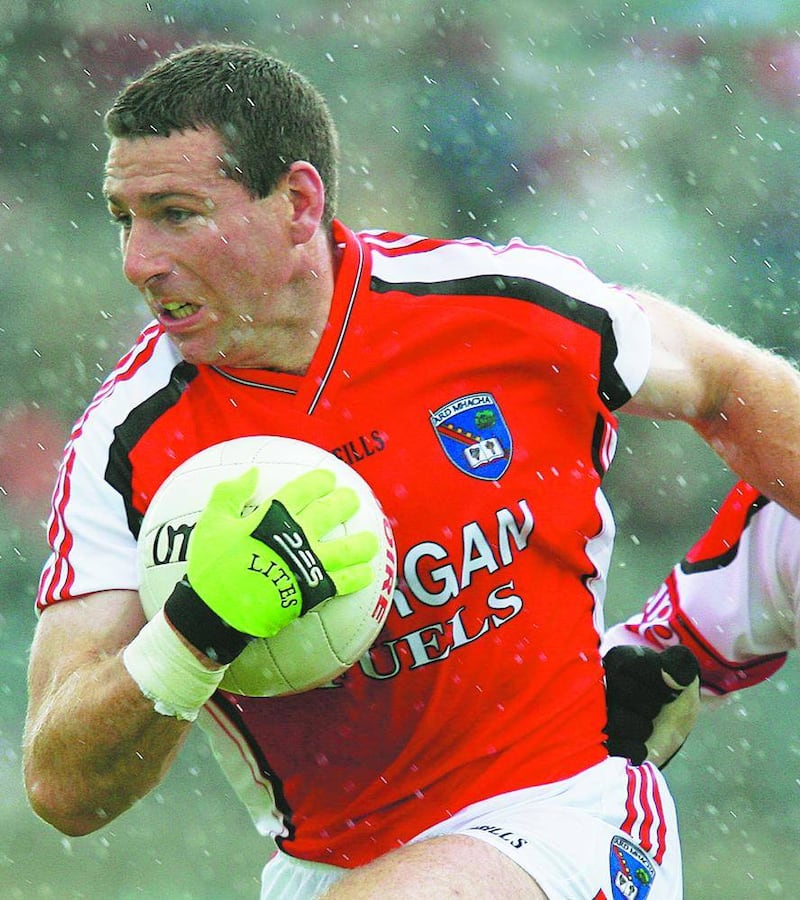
[
  {"x": 260, "y": 570},
  {"x": 680, "y": 672},
  {"x": 298, "y": 549},
  {"x": 652, "y": 700}
]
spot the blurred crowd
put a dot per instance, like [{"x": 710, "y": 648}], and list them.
[{"x": 657, "y": 141}]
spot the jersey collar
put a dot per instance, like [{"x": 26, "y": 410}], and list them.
[{"x": 352, "y": 273}]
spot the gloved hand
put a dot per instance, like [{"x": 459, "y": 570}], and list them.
[
  {"x": 652, "y": 700},
  {"x": 250, "y": 575}
]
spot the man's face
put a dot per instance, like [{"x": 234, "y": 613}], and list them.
[{"x": 214, "y": 265}]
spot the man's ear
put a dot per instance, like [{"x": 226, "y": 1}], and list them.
[{"x": 307, "y": 196}]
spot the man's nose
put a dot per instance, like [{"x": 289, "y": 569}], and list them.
[{"x": 143, "y": 253}]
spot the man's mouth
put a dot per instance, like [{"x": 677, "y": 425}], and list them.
[{"x": 178, "y": 309}]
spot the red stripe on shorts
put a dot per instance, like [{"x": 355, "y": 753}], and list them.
[{"x": 645, "y": 811}]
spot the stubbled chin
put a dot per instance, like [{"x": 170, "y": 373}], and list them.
[
  {"x": 194, "y": 351},
  {"x": 196, "y": 348}
]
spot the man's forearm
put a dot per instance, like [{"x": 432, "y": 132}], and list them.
[
  {"x": 757, "y": 428},
  {"x": 744, "y": 401},
  {"x": 95, "y": 746}
]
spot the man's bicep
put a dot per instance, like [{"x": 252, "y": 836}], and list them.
[
  {"x": 688, "y": 377},
  {"x": 74, "y": 633}
]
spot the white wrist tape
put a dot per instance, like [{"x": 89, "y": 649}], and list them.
[{"x": 167, "y": 672}]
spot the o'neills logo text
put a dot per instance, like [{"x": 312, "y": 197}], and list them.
[
  {"x": 510, "y": 837},
  {"x": 170, "y": 543}
]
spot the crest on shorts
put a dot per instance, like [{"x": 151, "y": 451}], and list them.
[
  {"x": 632, "y": 872},
  {"x": 474, "y": 435}
]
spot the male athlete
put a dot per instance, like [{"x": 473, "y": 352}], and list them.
[{"x": 475, "y": 387}]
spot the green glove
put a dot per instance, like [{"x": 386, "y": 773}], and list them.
[{"x": 259, "y": 571}]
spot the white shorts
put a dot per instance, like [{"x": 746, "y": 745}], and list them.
[{"x": 609, "y": 833}]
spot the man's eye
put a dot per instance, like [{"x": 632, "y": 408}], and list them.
[
  {"x": 122, "y": 219},
  {"x": 178, "y": 216}
]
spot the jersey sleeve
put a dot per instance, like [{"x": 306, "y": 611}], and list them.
[
  {"x": 563, "y": 283},
  {"x": 92, "y": 547},
  {"x": 733, "y": 599},
  {"x": 624, "y": 328}
]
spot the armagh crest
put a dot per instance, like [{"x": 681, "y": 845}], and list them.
[{"x": 474, "y": 435}]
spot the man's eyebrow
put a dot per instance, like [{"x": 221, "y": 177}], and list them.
[{"x": 156, "y": 197}]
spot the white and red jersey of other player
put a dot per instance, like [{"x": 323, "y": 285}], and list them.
[{"x": 734, "y": 599}]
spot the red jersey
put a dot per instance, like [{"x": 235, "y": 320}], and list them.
[
  {"x": 734, "y": 599},
  {"x": 473, "y": 387}
]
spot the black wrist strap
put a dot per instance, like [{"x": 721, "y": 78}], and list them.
[
  {"x": 202, "y": 627},
  {"x": 281, "y": 533}
]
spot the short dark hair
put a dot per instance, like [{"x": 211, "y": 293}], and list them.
[{"x": 267, "y": 114}]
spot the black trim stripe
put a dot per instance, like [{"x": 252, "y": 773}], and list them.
[
  {"x": 119, "y": 471},
  {"x": 598, "y": 435},
  {"x": 726, "y": 558},
  {"x": 611, "y": 388},
  {"x": 254, "y": 384}
]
